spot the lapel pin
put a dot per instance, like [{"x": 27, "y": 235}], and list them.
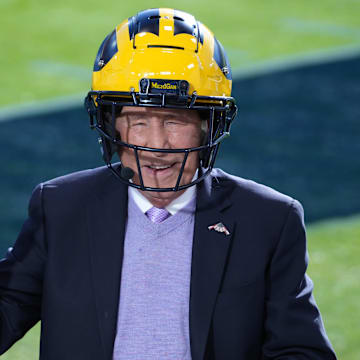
[{"x": 219, "y": 227}]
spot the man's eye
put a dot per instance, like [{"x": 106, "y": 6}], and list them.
[
  {"x": 138, "y": 123},
  {"x": 172, "y": 122}
]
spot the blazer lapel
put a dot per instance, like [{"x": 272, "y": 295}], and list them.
[
  {"x": 107, "y": 212},
  {"x": 210, "y": 251}
]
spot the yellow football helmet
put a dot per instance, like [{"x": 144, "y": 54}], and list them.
[{"x": 164, "y": 58}]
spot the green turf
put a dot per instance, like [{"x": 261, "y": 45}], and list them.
[
  {"x": 334, "y": 267},
  {"x": 47, "y": 47},
  {"x": 27, "y": 348}
]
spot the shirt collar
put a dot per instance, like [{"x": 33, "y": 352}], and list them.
[{"x": 144, "y": 204}]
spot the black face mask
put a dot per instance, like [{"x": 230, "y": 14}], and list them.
[{"x": 104, "y": 107}]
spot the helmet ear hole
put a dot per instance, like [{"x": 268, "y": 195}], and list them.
[
  {"x": 108, "y": 124},
  {"x": 90, "y": 105},
  {"x": 105, "y": 148},
  {"x": 204, "y": 157}
]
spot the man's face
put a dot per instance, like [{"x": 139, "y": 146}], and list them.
[{"x": 160, "y": 128}]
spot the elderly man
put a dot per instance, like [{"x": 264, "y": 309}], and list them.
[{"x": 160, "y": 256}]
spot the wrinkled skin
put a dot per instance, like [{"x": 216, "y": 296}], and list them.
[{"x": 160, "y": 128}]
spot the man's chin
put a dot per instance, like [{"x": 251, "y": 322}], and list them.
[
  {"x": 162, "y": 199},
  {"x": 164, "y": 181},
  {"x": 157, "y": 184}
]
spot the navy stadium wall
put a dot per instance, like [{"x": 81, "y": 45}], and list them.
[{"x": 297, "y": 131}]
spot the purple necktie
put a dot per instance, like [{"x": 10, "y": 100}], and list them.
[{"x": 157, "y": 215}]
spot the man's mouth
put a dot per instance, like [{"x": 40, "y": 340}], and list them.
[{"x": 159, "y": 169}]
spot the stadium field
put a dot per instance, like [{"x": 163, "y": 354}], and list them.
[
  {"x": 50, "y": 46},
  {"x": 48, "y": 50}
]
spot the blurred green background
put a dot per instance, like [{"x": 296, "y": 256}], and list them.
[
  {"x": 48, "y": 48},
  {"x": 296, "y": 72}
]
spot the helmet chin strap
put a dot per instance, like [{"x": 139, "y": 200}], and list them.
[{"x": 125, "y": 175}]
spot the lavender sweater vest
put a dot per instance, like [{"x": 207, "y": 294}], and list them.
[{"x": 153, "y": 318}]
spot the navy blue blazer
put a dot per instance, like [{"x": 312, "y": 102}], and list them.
[{"x": 249, "y": 299}]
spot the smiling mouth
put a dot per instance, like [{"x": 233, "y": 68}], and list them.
[{"x": 159, "y": 169}]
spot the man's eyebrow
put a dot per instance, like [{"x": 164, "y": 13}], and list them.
[{"x": 133, "y": 115}]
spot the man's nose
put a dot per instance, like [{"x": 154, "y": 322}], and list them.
[{"x": 158, "y": 138}]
